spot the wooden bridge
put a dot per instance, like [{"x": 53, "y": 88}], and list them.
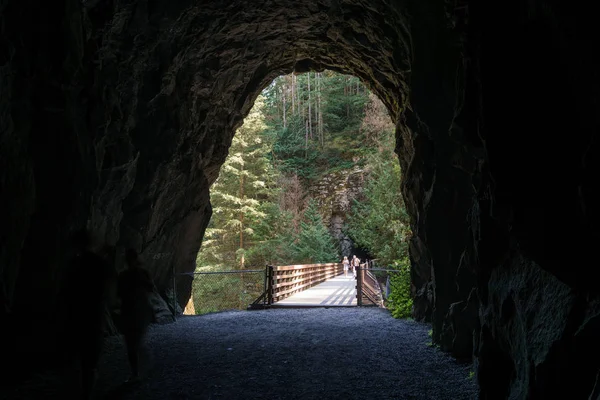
[{"x": 319, "y": 285}]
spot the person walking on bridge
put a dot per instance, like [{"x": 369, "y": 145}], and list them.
[
  {"x": 346, "y": 264},
  {"x": 355, "y": 264}
]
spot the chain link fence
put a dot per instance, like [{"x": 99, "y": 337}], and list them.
[{"x": 224, "y": 290}]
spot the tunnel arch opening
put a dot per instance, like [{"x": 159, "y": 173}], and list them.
[
  {"x": 379, "y": 56},
  {"x": 319, "y": 137}
]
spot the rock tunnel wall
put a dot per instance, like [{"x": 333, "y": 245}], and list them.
[
  {"x": 440, "y": 173},
  {"x": 537, "y": 103},
  {"x": 118, "y": 114}
]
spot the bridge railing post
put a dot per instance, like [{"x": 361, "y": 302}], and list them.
[
  {"x": 269, "y": 288},
  {"x": 359, "y": 284}
]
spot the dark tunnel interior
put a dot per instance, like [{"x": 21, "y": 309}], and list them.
[{"x": 116, "y": 115}]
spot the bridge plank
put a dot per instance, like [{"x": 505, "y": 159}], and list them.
[{"x": 335, "y": 292}]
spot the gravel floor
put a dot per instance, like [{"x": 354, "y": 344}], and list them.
[{"x": 317, "y": 353}]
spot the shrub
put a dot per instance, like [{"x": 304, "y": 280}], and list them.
[{"x": 400, "y": 302}]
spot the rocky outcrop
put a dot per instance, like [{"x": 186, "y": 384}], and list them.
[
  {"x": 534, "y": 318},
  {"x": 335, "y": 194},
  {"x": 162, "y": 313},
  {"x": 118, "y": 115},
  {"x": 460, "y": 326}
]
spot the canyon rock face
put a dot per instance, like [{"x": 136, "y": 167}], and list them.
[
  {"x": 117, "y": 115},
  {"x": 335, "y": 194}
]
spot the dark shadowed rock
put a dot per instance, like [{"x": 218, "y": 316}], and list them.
[
  {"x": 460, "y": 327},
  {"x": 423, "y": 303}
]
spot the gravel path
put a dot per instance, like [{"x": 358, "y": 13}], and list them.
[{"x": 318, "y": 353}]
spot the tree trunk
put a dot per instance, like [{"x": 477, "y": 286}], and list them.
[
  {"x": 320, "y": 114},
  {"x": 347, "y": 90},
  {"x": 305, "y": 138},
  {"x": 298, "y": 104},
  {"x": 318, "y": 110},
  {"x": 284, "y": 89},
  {"x": 293, "y": 95},
  {"x": 310, "y": 132},
  {"x": 242, "y": 215}
]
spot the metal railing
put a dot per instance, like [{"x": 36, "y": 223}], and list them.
[
  {"x": 368, "y": 288},
  {"x": 374, "y": 284},
  {"x": 258, "y": 288},
  {"x": 290, "y": 279},
  {"x": 285, "y": 280}
]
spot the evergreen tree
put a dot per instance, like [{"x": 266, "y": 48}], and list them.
[
  {"x": 273, "y": 238},
  {"x": 245, "y": 182},
  {"x": 400, "y": 301},
  {"x": 315, "y": 122},
  {"x": 314, "y": 244},
  {"x": 380, "y": 222}
]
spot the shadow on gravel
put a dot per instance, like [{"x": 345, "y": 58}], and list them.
[
  {"x": 122, "y": 391},
  {"x": 278, "y": 354}
]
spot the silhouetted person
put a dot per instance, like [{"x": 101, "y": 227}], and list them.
[
  {"x": 86, "y": 296},
  {"x": 134, "y": 288}
]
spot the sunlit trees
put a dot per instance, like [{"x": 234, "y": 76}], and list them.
[
  {"x": 303, "y": 128},
  {"x": 379, "y": 222},
  {"x": 314, "y": 244},
  {"x": 315, "y": 121},
  {"x": 241, "y": 196}
]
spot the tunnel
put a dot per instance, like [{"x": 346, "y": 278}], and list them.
[{"x": 116, "y": 115}]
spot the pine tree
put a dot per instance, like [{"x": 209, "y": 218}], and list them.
[
  {"x": 322, "y": 131},
  {"x": 246, "y": 180},
  {"x": 314, "y": 244},
  {"x": 273, "y": 238}
]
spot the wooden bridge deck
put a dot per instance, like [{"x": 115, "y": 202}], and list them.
[{"x": 335, "y": 292}]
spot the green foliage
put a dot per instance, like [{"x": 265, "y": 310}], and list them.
[
  {"x": 240, "y": 196},
  {"x": 314, "y": 243},
  {"x": 400, "y": 300},
  {"x": 380, "y": 222},
  {"x": 274, "y": 238},
  {"x": 316, "y": 133},
  {"x": 218, "y": 292},
  {"x": 289, "y": 149},
  {"x": 331, "y": 138},
  {"x": 303, "y": 129}
]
